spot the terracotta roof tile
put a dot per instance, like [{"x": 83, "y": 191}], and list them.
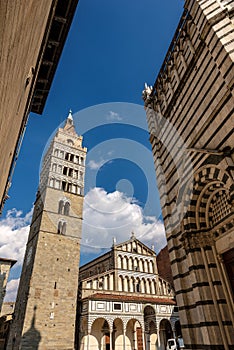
[{"x": 140, "y": 298}]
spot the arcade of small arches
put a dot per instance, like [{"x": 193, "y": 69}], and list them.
[
  {"x": 69, "y": 156},
  {"x": 65, "y": 170},
  {"x": 63, "y": 184},
  {"x": 126, "y": 262},
  {"x": 64, "y": 177},
  {"x": 144, "y": 285},
  {"x": 128, "y": 283},
  {"x": 146, "y": 332}
]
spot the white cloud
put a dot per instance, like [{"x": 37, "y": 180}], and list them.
[
  {"x": 113, "y": 116},
  {"x": 108, "y": 215},
  {"x": 11, "y": 290},
  {"x": 14, "y": 229},
  {"x": 94, "y": 165}
]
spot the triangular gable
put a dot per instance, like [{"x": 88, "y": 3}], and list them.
[{"x": 133, "y": 245}]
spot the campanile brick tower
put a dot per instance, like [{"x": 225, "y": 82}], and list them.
[{"x": 45, "y": 312}]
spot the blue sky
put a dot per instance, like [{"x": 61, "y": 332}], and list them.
[{"x": 113, "y": 48}]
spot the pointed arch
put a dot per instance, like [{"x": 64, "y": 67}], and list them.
[
  {"x": 66, "y": 208},
  {"x": 62, "y": 227},
  {"x": 60, "y": 207}
]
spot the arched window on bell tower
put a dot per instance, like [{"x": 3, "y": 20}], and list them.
[
  {"x": 60, "y": 208},
  {"x": 66, "y": 208},
  {"x": 62, "y": 226}
]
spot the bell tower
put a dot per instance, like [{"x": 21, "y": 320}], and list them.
[{"x": 45, "y": 312}]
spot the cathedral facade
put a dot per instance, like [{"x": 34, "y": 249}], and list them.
[
  {"x": 190, "y": 116},
  {"x": 123, "y": 303},
  {"x": 45, "y": 310}
]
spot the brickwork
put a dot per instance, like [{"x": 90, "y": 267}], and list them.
[
  {"x": 45, "y": 311},
  {"x": 190, "y": 116},
  {"x": 164, "y": 266}
]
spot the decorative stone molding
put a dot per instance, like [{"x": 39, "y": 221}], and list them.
[{"x": 199, "y": 239}]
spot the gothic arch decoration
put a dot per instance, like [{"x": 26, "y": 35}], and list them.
[{"x": 207, "y": 200}]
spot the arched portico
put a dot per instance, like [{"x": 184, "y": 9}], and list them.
[
  {"x": 134, "y": 335},
  {"x": 150, "y": 328},
  {"x": 99, "y": 336},
  {"x": 118, "y": 341},
  {"x": 165, "y": 333}
]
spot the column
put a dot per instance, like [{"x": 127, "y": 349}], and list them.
[
  {"x": 158, "y": 337},
  {"x": 105, "y": 283},
  {"x": 141, "y": 265},
  {"x": 147, "y": 287},
  {"x": 110, "y": 339},
  {"x": 125, "y": 284},
  {"x": 88, "y": 340},
  {"x": 124, "y": 334},
  {"x": 147, "y": 341},
  {"x": 134, "y": 339},
  {"x": 111, "y": 282},
  {"x": 142, "y": 286},
  {"x": 132, "y": 282},
  {"x": 146, "y": 266},
  {"x": 153, "y": 287},
  {"x": 119, "y": 262},
  {"x": 143, "y": 339}
]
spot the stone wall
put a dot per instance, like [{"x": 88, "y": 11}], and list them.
[{"x": 190, "y": 116}]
